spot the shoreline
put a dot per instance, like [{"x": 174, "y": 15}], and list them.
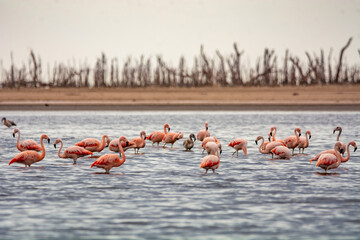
[
  {"x": 287, "y": 98},
  {"x": 177, "y": 107}
]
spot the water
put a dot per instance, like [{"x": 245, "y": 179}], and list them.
[{"x": 163, "y": 194}]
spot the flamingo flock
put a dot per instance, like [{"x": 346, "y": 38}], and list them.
[{"x": 282, "y": 149}]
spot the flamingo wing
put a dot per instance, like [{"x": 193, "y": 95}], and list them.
[
  {"x": 209, "y": 161},
  {"x": 105, "y": 160},
  {"x": 326, "y": 159},
  {"x": 78, "y": 151},
  {"x": 30, "y": 145}
]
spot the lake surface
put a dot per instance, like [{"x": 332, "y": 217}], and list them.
[{"x": 163, "y": 194}]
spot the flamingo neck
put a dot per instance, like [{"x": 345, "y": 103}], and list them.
[
  {"x": 18, "y": 141},
  {"x": 102, "y": 146},
  {"x": 165, "y": 131},
  {"x": 297, "y": 136},
  {"x": 273, "y": 137},
  {"x": 338, "y": 156},
  {"x": 348, "y": 154},
  {"x": 260, "y": 147},
  {"x": 42, "y": 155},
  {"x": 121, "y": 153},
  {"x": 59, "y": 152},
  {"x": 338, "y": 136}
]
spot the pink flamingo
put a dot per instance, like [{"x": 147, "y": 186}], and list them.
[
  {"x": 268, "y": 147},
  {"x": 212, "y": 148},
  {"x": 211, "y": 161},
  {"x": 139, "y": 141},
  {"x": 342, "y": 145},
  {"x": 203, "y": 133},
  {"x": 156, "y": 136},
  {"x": 272, "y": 128},
  {"x": 27, "y": 144},
  {"x": 211, "y": 139},
  {"x": 189, "y": 143},
  {"x": 172, "y": 137},
  {"x": 94, "y": 145},
  {"x": 282, "y": 152},
  {"x": 114, "y": 144},
  {"x": 239, "y": 144},
  {"x": 73, "y": 152},
  {"x": 293, "y": 141},
  {"x": 332, "y": 151},
  {"x": 110, "y": 160},
  {"x": 30, "y": 157},
  {"x": 304, "y": 141},
  {"x": 330, "y": 161}
]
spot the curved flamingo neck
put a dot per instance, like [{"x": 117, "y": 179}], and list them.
[
  {"x": 338, "y": 136},
  {"x": 122, "y": 153},
  {"x": 42, "y": 155},
  {"x": 18, "y": 140},
  {"x": 338, "y": 156},
  {"x": 297, "y": 136},
  {"x": 273, "y": 137},
  {"x": 260, "y": 147},
  {"x": 348, "y": 154},
  {"x": 102, "y": 146},
  {"x": 59, "y": 152},
  {"x": 165, "y": 131},
  {"x": 307, "y": 137}
]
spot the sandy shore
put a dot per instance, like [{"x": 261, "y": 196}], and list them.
[{"x": 314, "y": 98}]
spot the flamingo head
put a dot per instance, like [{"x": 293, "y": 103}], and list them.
[
  {"x": 166, "y": 125},
  {"x": 3, "y": 119},
  {"x": 56, "y": 142},
  {"x": 309, "y": 133},
  {"x": 143, "y": 134},
  {"x": 15, "y": 131},
  {"x": 352, "y": 143},
  {"x": 192, "y": 136},
  {"x": 258, "y": 139},
  {"x": 44, "y": 136},
  {"x": 338, "y": 128},
  {"x": 298, "y": 130},
  {"x": 206, "y": 126}
]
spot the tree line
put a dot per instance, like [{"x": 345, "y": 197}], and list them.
[{"x": 205, "y": 71}]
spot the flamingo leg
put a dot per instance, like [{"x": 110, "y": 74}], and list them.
[
  {"x": 172, "y": 145},
  {"x": 154, "y": 143},
  {"x": 237, "y": 153},
  {"x": 74, "y": 161},
  {"x": 234, "y": 153},
  {"x": 213, "y": 170}
]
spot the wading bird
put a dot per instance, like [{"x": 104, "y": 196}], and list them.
[
  {"x": 30, "y": 157},
  {"x": 157, "y": 136},
  {"x": 304, "y": 141},
  {"x": 94, "y": 145},
  {"x": 203, "y": 133},
  {"x": 293, "y": 141},
  {"x": 189, "y": 143},
  {"x": 239, "y": 144},
  {"x": 27, "y": 144},
  {"x": 139, "y": 141},
  {"x": 7, "y": 123},
  {"x": 73, "y": 152}
]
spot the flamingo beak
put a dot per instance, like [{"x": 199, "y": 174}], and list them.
[
  {"x": 220, "y": 151},
  {"x": 299, "y": 134},
  {"x": 145, "y": 138},
  {"x": 355, "y": 149},
  {"x": 334, "y": 131},
  {"x": 48, "y": 140},
  {"x": 310, "y": 137},
  {"x": 270, "y": 133},
  {"x": 341, "y": 151},
  {"x": 169, "y": 129},
  {"x": 207, "y": 128},
  {"x": 55, "y": 146},
  {"x": 13, "y": 134},
  {"x": 256, "y": 142},
  {"x": 269, "y": 139}
]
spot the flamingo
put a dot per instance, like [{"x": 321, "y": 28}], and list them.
[
  {"x": 203, "y": 133},
  {"x": 332, "y": 151},
  {"x": 282, "y": 152},
  {"x": 156, "y": 136},
  {"x": 189, "y": 143},
  {"x": 73, "y": 152},
  {"x": 27, "y": 144},
  {"x": 293, "y": 141},
  {"x": 139, "y": 141},
  {"x": 110, "y": 160},
  {"x": 212, "y": 148},
  {"x": 8, "y": 123},
  {"x": 328, "y": 160},
  {"x": 172, "y": 137},
  {"x": 114, "y": 144},
  {"x": 211, "y": 139},
  {"x": 239, "y": 144},
  {"x": 272, "y": 128},
  {"x": 94, "y": 145},
  {"x": 269, "y": 146},
  {"x": 30, "y": 157},
  {"x": 211, "y": 161},
  {"x": 342, "y": 146},
  {"x": 266, "y": 142},
  {"x": 304, "y": 141}
]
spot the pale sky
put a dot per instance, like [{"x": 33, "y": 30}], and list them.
[{"x": 78, "y": 29}]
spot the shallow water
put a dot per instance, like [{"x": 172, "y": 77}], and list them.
[{"x": 163, "y": 194}]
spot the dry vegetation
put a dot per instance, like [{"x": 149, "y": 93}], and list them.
[{"x": 221, "y": 71}]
